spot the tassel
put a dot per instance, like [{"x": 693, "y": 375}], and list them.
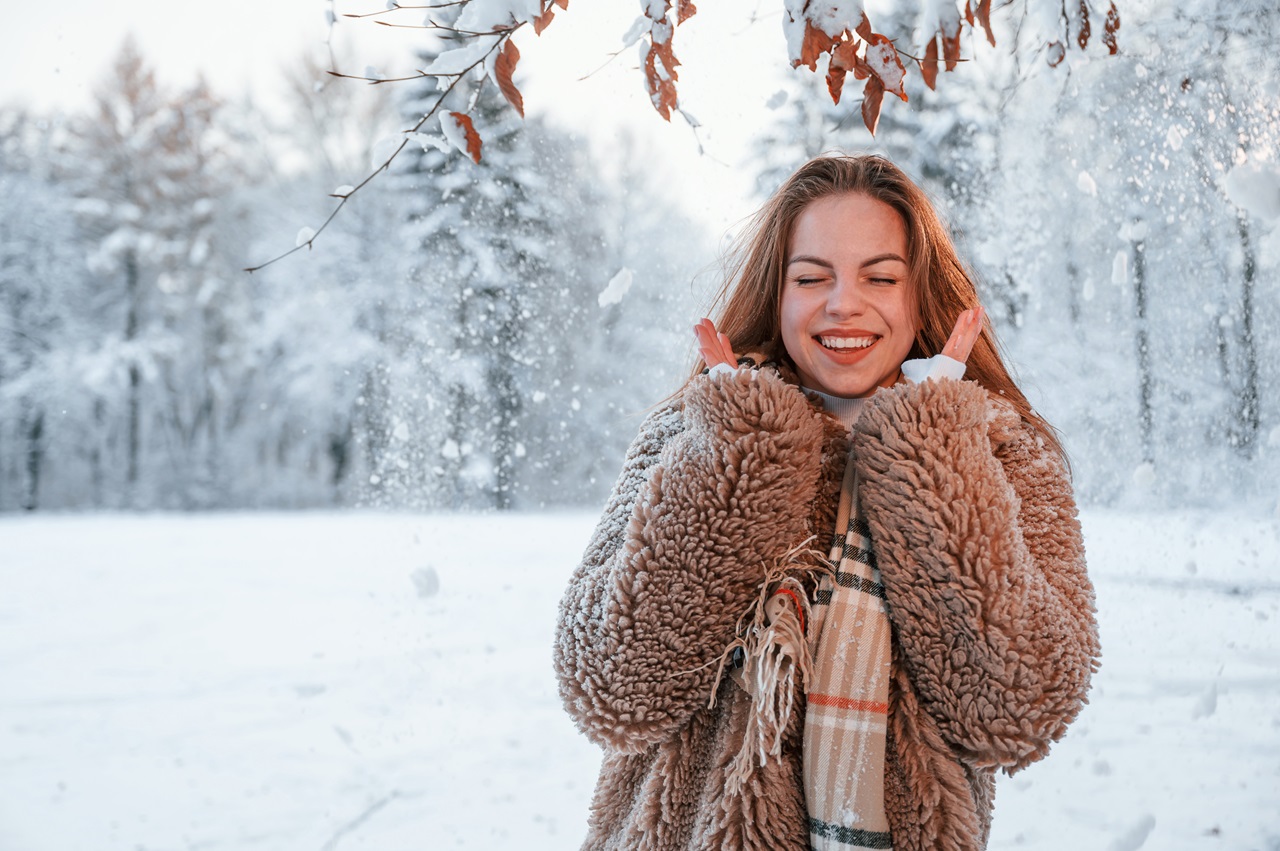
[{"x": 775, "y": 644}]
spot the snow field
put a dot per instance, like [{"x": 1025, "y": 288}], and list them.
[{"x": 346, "y": 681}]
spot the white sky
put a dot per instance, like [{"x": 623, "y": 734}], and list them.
[{"x": 50, "y": 55}]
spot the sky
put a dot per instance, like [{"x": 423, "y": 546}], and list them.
[{"x": 731, "y": 64}]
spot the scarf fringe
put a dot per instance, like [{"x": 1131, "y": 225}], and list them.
[{"x": 774, "y": 638}]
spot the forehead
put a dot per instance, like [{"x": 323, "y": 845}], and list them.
[{"x": 848, "y": 227}]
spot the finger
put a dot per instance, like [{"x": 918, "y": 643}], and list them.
[
  {"x": 956, "y": 340},
  {"x": 708, "y": 344},
  {"x": 972, "y": 332},
  {"x": 726, "y": 349},
  {"x": 967, "y": 329}
]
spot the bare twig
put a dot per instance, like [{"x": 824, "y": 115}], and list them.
[
  {"x": 400, "y": 8},
  {"x": 373, "y": 81},
  {"x": 435, "y": 108},
  {"x": 612, "y": 56},
  {"x": 434, "y": 26}
]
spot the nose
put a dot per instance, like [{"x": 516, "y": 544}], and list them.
[{"x": 846, "y": 298}]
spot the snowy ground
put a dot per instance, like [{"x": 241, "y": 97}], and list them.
[{"x": 302, "y": 682}]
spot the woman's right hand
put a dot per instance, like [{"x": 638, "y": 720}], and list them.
[
  {"x": 967, "y": 329},
  {"x": 714, "y": 346}
]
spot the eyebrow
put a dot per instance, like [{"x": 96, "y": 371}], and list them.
[{"x": 870, "y": 261}]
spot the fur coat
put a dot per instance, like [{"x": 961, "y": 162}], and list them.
[{"x": 976, "y": 536}]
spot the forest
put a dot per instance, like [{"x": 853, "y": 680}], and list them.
[{"x": 486, "y": 335}]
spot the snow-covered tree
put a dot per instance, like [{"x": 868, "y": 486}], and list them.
[
  {"x": 494, "y": 251},
  {"x": 147, "y": 170},
  {"x": 42, "y": 293},
  {"x": 1116, "y": 227}
]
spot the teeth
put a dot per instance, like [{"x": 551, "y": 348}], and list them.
[{"x": 847, "y": 342}]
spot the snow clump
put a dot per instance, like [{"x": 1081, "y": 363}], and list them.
[
  {"x": 1255, "y": 188},
  {"x": 1136, "y": 836},
  {"x": 616, "y": 288},
  {"x": 426, "y": 581},
  {"x": 1120, "y": 268},
  {"x": 1086, "y": 184}
]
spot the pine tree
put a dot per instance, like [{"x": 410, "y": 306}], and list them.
[{"x": 496, "y": 248}]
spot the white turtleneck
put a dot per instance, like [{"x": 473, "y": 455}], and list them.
[{"x": 847, "y": 411}]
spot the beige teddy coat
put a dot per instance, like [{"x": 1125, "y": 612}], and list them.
[{"x": 975, "y": 532}]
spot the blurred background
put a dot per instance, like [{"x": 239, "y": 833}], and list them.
[
  {"x": 449, "y": 341},
  {"x": 447, "y": 381}
]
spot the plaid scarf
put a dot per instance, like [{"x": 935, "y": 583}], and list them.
[{"x": 847, "y": 714}]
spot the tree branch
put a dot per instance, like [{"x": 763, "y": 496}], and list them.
[{"x": 435, "y": 108}]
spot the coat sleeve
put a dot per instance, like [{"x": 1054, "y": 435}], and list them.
[
  {"x": 707, "y": 494},
  {"x": 980, "y": 551}
]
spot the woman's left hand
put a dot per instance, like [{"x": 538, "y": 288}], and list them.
[
  {"x": 714, "y": 346},
  {"x": 965, "y": 334}
]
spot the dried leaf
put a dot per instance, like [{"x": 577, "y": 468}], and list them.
[
  {"x": 563, "y": 4},
  {"x": 503, "y": 67},
  {"x": 473, "y": 138},
  {"x": 968, "y": 12},
  {"x": 984, "y": 18},
  {"x": 881, "y": 57},
  {"x": 864, "y": 29},
  {"x": 1110, "y": 28},
  {"x": 929, "y": 65},
  {"x": 951, "y": 49},
  {"x": 845, "y": 55},
  {"x": 872, "y": 95},
  {"x": 861, "y": 70},
  {"x": 1082, "y": 37},
  {"x": 685, "y": 10},
  {"x": 1055, "y": 54},
  {"x": 543, "y": 21},
  {"x": 835, "y": 81},
  {"x": 816, "y": 43},
  {"x": 660, "y": 76}
]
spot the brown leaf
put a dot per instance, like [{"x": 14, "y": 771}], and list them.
[
  {"x": 1082, "y": 37},
  {"x": 872, "y": 95},
  {"x": 473, "y": 138},
  {"x": 1110, "y": 28},
  {"x": 863, "y": 29},
  {"x": 835, "y": 82},
  {"x": 881, "y": 59},
  {"x": 968, "y": 11},
  {"x": 861, "y": 70},
  {"x": 662, "y": 89},
  {"x": 503, "y": 68},
  {"x": 929, "y": 65},
  {"x": 543, "y": 21},
  {"x": 1055, "y": 54},
  {"x": 685, "y": 10},
  {"x": 845, "y": 55},
  {"x": 563, "y": 4},
  {"x": 816, "y": 43},
  {"x": 984, "y": 18},
  {"x": 951, "y": 49}
]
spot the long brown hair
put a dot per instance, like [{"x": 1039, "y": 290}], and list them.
[{"x": 940, "y": 288}]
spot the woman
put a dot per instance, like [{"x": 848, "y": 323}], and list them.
[{"x": 948, "y": 632}]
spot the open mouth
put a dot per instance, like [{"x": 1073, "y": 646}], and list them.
[{"x": 843, "y": 344}]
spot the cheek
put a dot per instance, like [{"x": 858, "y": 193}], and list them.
[
  {"x": 790, "y": 317},
  {"x": 900, "y": 315}
]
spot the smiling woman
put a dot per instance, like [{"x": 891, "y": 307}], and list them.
[
  {"x": 749, "y": 692},
  {"x": 846, "y": 317}
]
